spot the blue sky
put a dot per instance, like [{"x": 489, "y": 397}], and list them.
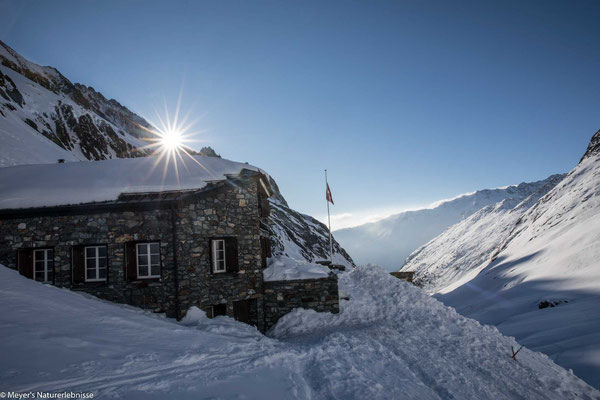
[{"x": 405, "y": 103}]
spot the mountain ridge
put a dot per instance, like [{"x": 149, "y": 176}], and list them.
[
  {"x": 51, "y": 79},
  {"x": 473, "y": 240},
  {"x": 40, "y": 101},
  {"x": 389, "y": 242}
]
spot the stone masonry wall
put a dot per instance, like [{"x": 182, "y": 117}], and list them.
[
  {"x": 281, "y": 297},
  {"x": 113, "y": 229}
]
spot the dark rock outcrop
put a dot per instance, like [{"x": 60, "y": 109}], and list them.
[
  {"x": 9, "y": 91},
  {"x": 593, "y": 147}
]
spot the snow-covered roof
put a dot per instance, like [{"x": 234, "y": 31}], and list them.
[
  {"x": 46, "y": 185},
  {"x": 285, "y": 268}
]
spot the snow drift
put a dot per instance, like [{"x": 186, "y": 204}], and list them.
[{"x": 389, "y": 341}]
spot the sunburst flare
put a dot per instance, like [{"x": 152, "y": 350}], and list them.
[{"x": 170, "y": 138}]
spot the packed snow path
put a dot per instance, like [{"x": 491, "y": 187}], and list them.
[{"x": 390, "y": 341}]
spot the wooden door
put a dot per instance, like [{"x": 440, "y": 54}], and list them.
[
  {"x": 241, "y": 311},
  {"x": 25, "y": 263}
]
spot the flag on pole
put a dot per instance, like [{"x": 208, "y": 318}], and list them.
[
  {"x": 329, "y": 198},
  {"x": 328, "y": 195}
]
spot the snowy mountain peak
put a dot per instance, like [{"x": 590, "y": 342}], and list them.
[
  {"x": 593, "y": 147},
  {"x": 208, "y": 152},
  {"x": 48, "y": 77}
]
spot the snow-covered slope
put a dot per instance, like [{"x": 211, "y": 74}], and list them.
[
  {"x": 44, "y": 117},
  {"x": 390, "y": 241},
  {"x": 389, "y": 341},
  {"x": 466, "y": 247},
  {"x": 301, "y": 237},
  {"x": 543, "y": 285}
]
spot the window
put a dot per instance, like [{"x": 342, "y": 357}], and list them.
[
  {"x": 95, "y": 263},
  {"x": 43, "y": 265},
  {"x": 218, "y": 255},
  {"x": 148, "y": 260},
  {"x": 224, "y": 255},
  {"x": 216, "y": 310}
]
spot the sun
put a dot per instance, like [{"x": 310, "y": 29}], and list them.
[
  {"x": 169, "y": 135},
  {"x": 171, "y": 139}
]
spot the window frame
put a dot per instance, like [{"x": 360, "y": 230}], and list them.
[
  {"x": 149, "y": 265},
  {"x": 46, "y": 259},
  {"x": 214, "y": 259},
  {"x": 97, "y": 266}
]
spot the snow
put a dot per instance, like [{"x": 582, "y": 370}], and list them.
[
  {"x": 390, "y": 241},
  {"x": 284, "y": 268},
  {"x": 21, "y": 144},
  {"x": 552, "y": 254},
  {"x": 390, "y": 340},
  {"x": 464, "y": 249},
  {"x": 94, "y": 181}
]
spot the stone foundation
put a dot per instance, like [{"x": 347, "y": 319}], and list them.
[{"x": 281, "y": 297}]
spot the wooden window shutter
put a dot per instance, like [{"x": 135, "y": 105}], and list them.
[
  {"x": 210, "y": 256},
  {"x": 130, "y": 262},
  {"x": 241, "y": 311},
  {"x": 78, "y": 264},
  {"x": 268, "y": 243},
  {"x": 264, "y": 206},
  {"x": 263, "y": 251},
  {"x": 231, "y": 254},
  {"x": 25, "y": 263}
]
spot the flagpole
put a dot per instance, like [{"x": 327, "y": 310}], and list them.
[{"x": 329, "y": 222}]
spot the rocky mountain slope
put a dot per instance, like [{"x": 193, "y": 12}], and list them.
[
  {"x": 43, "y": 116},
  {"x": 390, "y": 241},
  {"x": 302, "y": 237},
  {"x": 466, "y": 247},
  {"x": 542, "y": 284}
]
